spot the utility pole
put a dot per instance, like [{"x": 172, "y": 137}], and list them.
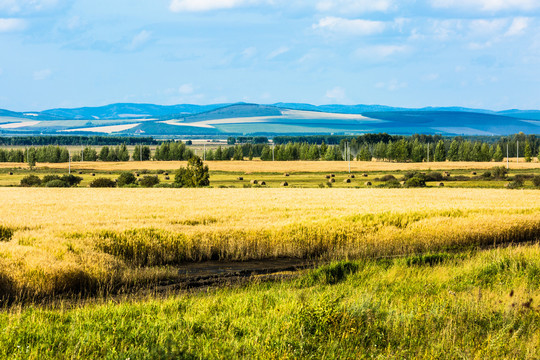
[
  {"x": 69, "y": 156},
  {"x": 140, "y": 148},
  {"x": 517, "y": 145},
  {"x": 273, "y": 151},
  {"x": 348, "y": 152},
  {"x": 82, "y": 153},
  {"x": 427, "y": 152},
  {"x": 204, "y": 155}
]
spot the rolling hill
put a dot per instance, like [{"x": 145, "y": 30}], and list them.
[{"x": 275, "y": 119}]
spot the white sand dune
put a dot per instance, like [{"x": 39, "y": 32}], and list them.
[
  {"x": 19, "y": 124},
  {"x": 105, "y": 129}
]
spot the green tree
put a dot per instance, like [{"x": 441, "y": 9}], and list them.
[
  {"x": 364, "y": 154},
  {"x": 498, "y": 155},
  {"x": 238, "y": 153},
  {"x": 528, "y": 152},
  {"x": 417, "y": 152},
  {"x": 126, "y": 178},
  {"x": 195, "y": 175},
  {"x": 440, "y": 151},
  {"x": 453, "y": 151}
]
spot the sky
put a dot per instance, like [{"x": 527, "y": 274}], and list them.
[{"x": 410, "y": 53}]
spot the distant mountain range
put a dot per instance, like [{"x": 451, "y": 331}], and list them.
[{"x": 274, "y": 119}]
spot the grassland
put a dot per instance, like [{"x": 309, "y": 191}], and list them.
[
  {"x": 480, "y": 305},
  {"x": 83, "y": 240}
]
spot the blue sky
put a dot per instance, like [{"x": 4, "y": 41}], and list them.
[{"x": 413, "y": 53}]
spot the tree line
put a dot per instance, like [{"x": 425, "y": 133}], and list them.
[{"x": 74, "y": 140}]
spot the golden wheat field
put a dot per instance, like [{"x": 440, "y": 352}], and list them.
[
  {"x": 255, "y": 166},
  {"x": 57, "y": 240}
]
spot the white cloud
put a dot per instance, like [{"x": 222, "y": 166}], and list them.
[
  {"x": 351, "y": 27},
  {"x": 487, "y": 5},
  {"x": 186, "y": 89},
  {"x": 42, "y": 74},
  {"x": 9, "y": 25},
  {"x": 430, "y": 77},
  {"x": 249, "y": 52},
  {"x": 392, "y": 85},
  {"x": 336, "y": 94},
  {"x": 28, "y": 6},
  {"x": 354, "y": 6},
  {"x": 379, "y": 52},
  {"x": 518, "y": 26},
  {"x": 139, "y": 39},
  {"x": 206, "y": 5},
  {"x": 282, "y": 50}
]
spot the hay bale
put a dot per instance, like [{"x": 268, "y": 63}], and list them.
[
  {"x": 93, "y": 174},
  {"x": 10, "y": 173},
  {"x": 167, "y": 178},
  {"x": 262, "y": 183},
  {"x": 333, "y": 175},
  {"x": 284, "y": 183},
  {"x": 347, "y": 181},
  {"x": 137, "y": 174},
  {"x": 351, "y": 176},
  {"x": 80, "y": 172},
  {"x": 473, "y": 173},
  {"x": 254, "y": 182},
  {"x": 328, "y": 176},
  {"x": 166, "y": 173},
  {"x": 364, "y": 175},
  {"x": 441, "y": 184},
  {"x": 332, "y": 180},
  {"x": 446, "y": 173},
  {"x": 286, "y": 174},
  {"x": 368, "y": 183},
  {"x": 240, "y": 178}
]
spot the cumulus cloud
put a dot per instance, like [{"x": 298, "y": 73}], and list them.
[
  {"x": 9, "y": 25},
  {"x": 336, "y": 94},
  {"x": 280, "y": 51},
  {"x": 206, "y": 5},
  {"x": 518, "y": 26},
  {"x": 379, "y": 52},
  {"x": 139, "y": 40},
  {"x": 42, "y": 74},
  {"x": 354, "y": 6},
  {"x": 186, "y": 89},
  {"x": 487, "y": 5},
  {"x": 29, "y": 6},
  {"x": 351, "y": 27},
  {"x": 392, "y": 85}
]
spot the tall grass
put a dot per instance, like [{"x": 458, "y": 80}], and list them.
[
  {"x": 481, "y": 305},
  {"x": 92, "y": 240}
]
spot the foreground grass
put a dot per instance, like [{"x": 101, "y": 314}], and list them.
[
  {"x": 80, "y": 241},
  {"x": 445, "y": 306}
]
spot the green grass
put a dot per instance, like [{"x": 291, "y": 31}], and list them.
[{"x": 443, "y": 306}]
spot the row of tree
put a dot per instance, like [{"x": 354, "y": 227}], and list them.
[{"x": 74, "y": 140}]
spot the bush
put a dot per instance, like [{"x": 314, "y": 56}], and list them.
[
  {"x": 48, "y": 178},
  {"x": 387, "y": 178},
  {"x": 536, "y": 181},
  {"x": 126, "y": 178},
  {"x": 486, "y": 175},
  {"x": 392, "y": 184},
  {"x": 102, "y": 182},
  {"x": 433, "y": 176},
  {"x": 30, "y": 180},
  {"x": 415, "y": 182},
  {"x": 516, "y": 184},
  {"x": 499, "y": 172},
  {"x": 71, "y": 180},
  {"x": 149, "y": 181},
  {"x": 56, "y": 183}
]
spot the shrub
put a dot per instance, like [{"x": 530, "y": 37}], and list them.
[
  {"x": 102, "y": 182},
  {"x": 30, "y": 180},
  {"x": 6, "y": 233},
  {"x": 392, "y": 184},
  {"x": 149, "y": 181},
  {"x": 48, "y": 178},
  {"x": 499, "y": 172},
  {"x": 516, "y": 184},
  {"x": 536, "y": 181},
  {"x": 415, "y": 182},
  {"x": 387, "y": 178},
  {"x": 71, "y": 180},
  {"x": 126, "y": 178},
  {"x": 433, "y": 176},
  {"x": 56, "y": 183},
  {"x": 486, "y": 175}
]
